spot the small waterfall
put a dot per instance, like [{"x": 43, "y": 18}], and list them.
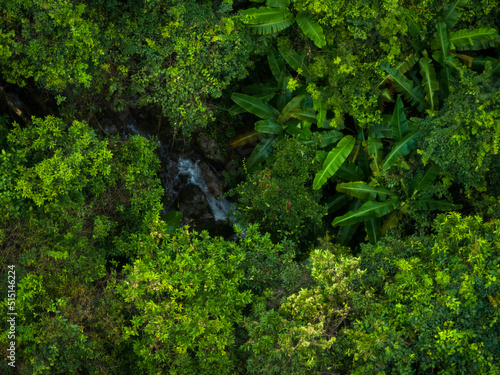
[{"x": 219, "y": 207}]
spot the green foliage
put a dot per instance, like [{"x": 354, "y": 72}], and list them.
[
  {"x": 185, "y": 292},
  {"x": 435, "y": 309},
  {"x": 461, "y": 138},
  {"x": 279, "y": 198},
  {"x": 175, "y": 56}
]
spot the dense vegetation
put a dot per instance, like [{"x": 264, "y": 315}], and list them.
[{"x": 367, "y": 209}]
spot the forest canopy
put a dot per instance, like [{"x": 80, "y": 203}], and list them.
[{"x": 250, "y": 187}]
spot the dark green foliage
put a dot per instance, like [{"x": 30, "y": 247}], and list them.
[
  {"x": 462, "y": 138},
  {"x": 279, "y": 198}
]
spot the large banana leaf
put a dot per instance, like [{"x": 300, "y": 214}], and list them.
[
  {"x": 367, "y": 211},
  {"x": 276, "y": 63},
  {"x": 330, "y": 136},
  {"x": 350, "y": 172},
  {"x": 415, "y": 95},
  {"x": 333, "y": 161},
  {"x": 481, "y": 44},
  {"x": 346, "y": 232},
  {"x": 260, "y": 152},
  {"x": 383, "y": 130},
  {"x": 292, "y": 104},
  {"x": 319, "y": 106},
  {"x": 336, "y": 201},
  {"x": 441, "y": 42},
  {"x": 433, "y": 204},
  {"x": 278, "y": 3},
  {"x": 173, "y": 221},
  {"x": 268, "y": 127},
  {"x": 398, "y": 120},
  {"x": 390, "y": 222},
  {"x": 400, "y": 149},
  {"x": 265, "y": 20},
  {"x": 466, "y": 37},
  {"x": 426, "y": 181},
  {"x": 255, "y": 106},
  {"x": 480, "y": 63},
  {"x": 362, "y": 190},
  {"x": 304, "y": 114},
  {"x": 452, "y": 13},
  {"x": 301, "y": 132},
  {"x": 372, "y": 227},
  {"x": 296, "y": 61},
  {"x": 430, "y": 83},
  {"x": 413, "y": 25},
  {"x": 248, "y": 137},
  {"x": 403, "y": 67},
  {"x": 312, "y": 29}
]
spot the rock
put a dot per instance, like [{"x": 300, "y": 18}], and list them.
[
  {"x": 210, "y": 148},
  {"x": 192, "y": 203},
  {"x": 214, "y": 185}
]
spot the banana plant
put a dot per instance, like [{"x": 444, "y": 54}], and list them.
[
  {"x": 444, "y": 50},
  {"x": 379, "y": 208},
  {"x": 276, "y": 16},
  {"x": 291, "y": 115}
]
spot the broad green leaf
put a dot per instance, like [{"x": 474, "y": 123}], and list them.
[
  {"x": 304, "y": 133},
  {"x": 374, "y": 148},
  {"x": 248, "y": 137},
  {"x": 403, "y": 67},
  {"x": 312, "y": 29},
  {"x": 296, "y": 61},
  {"x": 415, "y": 95},
  {"x": 441, "y": 42},
  {"x": 268, "y": 127},
  {"x": 319, "y": 106},
  {"x": 383, "y": 130},
  {"x": 173, "y": 220},
  {"x": 350, "y": 172},
  {"x": 367, "y": 211},
  {"x": 399, "y": 126},
  {"x": 452, "y": 13},
  {"x": 336, "y": 201},
  {"x": 278, "y": 3},
  {"x": 276, "y": 63},
  {"x": 400, "y": 149},
  {"x": 347, "y": 232},
  {"x": 413, "y": 26},
  {"x": 330, "y": 136},
  {"x": 260, "y": 152},
  {"x": 480, "y": 63},
  {"x": 255, "y": 106},
  {"x": 430, "y": 83},
  {"x": 236, "y": 110},
  {"x": 333, "y": 161},
  {"x": 466, "y": 37},
  {"x": 373, "y": 229},
  {"x": 362, "y": 190},
  {"x": 481, "y": 44},
  {"x": 292, "y": 104},
  {"x": 265, "y": 20},
  {"x": 426, "y": 181},
  {"x": 321, "y": 156},
  {"x": 304, "y": 114},
  {"x": 389, "y": 223},
  {"x": 433, "y": 204}
]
